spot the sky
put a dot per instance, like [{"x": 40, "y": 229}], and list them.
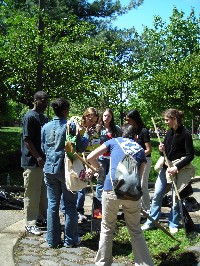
[{"x": 145, "y": 13}]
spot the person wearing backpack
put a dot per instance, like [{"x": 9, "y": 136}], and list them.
[{"x": 120, "y": 148}]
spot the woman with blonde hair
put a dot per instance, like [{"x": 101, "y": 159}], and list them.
[
  {"x": 178, "y": 144},
  {"x": 90, "y": 137}
]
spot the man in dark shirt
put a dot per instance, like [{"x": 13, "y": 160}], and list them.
[{"x": 32, "y": 160}]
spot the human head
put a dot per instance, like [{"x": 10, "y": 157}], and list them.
[
  {"x": 90, "y": 117},
  {"x": 107, "y": 117},
  {"x": 133, "y": 118},
  {"x": 60, "y": 107},
  {"x": 128, "y": 131},
  {"x": 40, "y": 101},
  {"x": 173, "y": 117}
]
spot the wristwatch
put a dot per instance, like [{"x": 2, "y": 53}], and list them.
[{"x": 39, "y": 159}]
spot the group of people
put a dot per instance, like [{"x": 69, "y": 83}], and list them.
[{"x": 43, "y": 152}]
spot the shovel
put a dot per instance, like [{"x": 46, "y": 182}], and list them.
[{"x": 159, "y": 226}]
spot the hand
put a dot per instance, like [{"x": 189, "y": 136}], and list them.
[
  {"x": 172, "y": 170},
  {"x": 90, "y": 130},
  {"x": 100, "y": 173}
]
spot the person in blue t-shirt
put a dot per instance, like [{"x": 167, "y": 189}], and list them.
[{"x": 110, "y": 203}]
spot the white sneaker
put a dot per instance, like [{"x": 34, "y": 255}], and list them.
[
  {"x": 173, "y": 230},
  {"x": 146, "y": 227},
  {"x": 73, "y": 245},
  {"x": 33, "y": 230},
  {"x": 81, "y": 218}
]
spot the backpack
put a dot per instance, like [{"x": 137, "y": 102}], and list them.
[{"x": 127, "y": 183}]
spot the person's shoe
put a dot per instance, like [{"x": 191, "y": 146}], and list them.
[
  {"x": 146, "y": 227},
  {"x": 41, "y": 223},
  {"x": 33, "y": 230},
  {"x": 73, "y": 245},
  {"x": 81, "y": 218},
  {"x": 173, "y": 230},
  {"x": 55, "y": 247}
]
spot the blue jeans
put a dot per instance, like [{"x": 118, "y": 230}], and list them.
[
  {"x": 100, "y": 182},
  {"x": 55, "y": 188},
  {"x": 160, "y": 189},
  {"x": 80, "y": 201}
]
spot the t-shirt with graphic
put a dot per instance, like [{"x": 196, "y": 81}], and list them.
[{"x": 117, "y": 154}]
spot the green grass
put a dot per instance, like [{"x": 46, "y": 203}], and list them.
[{"x": 164, "y": 250}]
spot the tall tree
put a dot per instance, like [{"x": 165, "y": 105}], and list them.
[{"x": 168, "y": 64}]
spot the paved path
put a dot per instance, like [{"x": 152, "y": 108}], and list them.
[{"x": 33, "y": 250}]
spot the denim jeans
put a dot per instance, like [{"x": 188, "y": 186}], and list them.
[
  {"x": 80, "y": 201},
  {"x": 55, "y": 188},
  {"x": 160, "y": 190},
  {"x": 110, "y": 207},
  {"x": 100, "y": 182}
]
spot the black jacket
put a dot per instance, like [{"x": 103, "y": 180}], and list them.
[{"x": 179, "y": 144}]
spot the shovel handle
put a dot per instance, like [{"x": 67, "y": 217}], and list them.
[
  {"x": 159, "y": 226},
  {"x": 84, "y": 162}
]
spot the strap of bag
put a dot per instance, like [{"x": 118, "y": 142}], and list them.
[{"x": 132, "y": 153}]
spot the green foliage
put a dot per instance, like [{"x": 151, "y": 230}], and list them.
[{"x": 168, "y": 63}]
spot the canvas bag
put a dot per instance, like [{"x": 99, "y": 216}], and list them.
[
  {"x": 184, "y": 175},
  {"x": 75, "y": 174},
  {"x": 75, "y": 177},
  {"x": 127, "y": 183}
]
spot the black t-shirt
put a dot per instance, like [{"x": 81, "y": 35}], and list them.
[
  {"x": 31, "y": 129},
  {"x": 144, "y": 137}
]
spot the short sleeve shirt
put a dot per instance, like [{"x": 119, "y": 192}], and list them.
[
  {"x": 31, "y": 129},
  {"x": 117, "y": 154}
]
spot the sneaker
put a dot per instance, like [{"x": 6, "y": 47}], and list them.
[
  {"x": 81, "y": 218},
  {"x": 73, "y": 245},
  {"x": 146, "y": 227},
  {"x": 173, "y": 230},
  {"x": 33, "y": 230},
  {"x": 41, "y": 223}
]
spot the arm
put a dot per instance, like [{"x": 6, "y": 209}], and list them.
[
  {"x": 81, "y": 141},
  {"x": 94, "y": 155},
  {"x": 147, "y": 142},
  {"x": 141, "y": 169},
  {"x": 33, "y": 151},
  {"x": 148, "y": 148}
]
